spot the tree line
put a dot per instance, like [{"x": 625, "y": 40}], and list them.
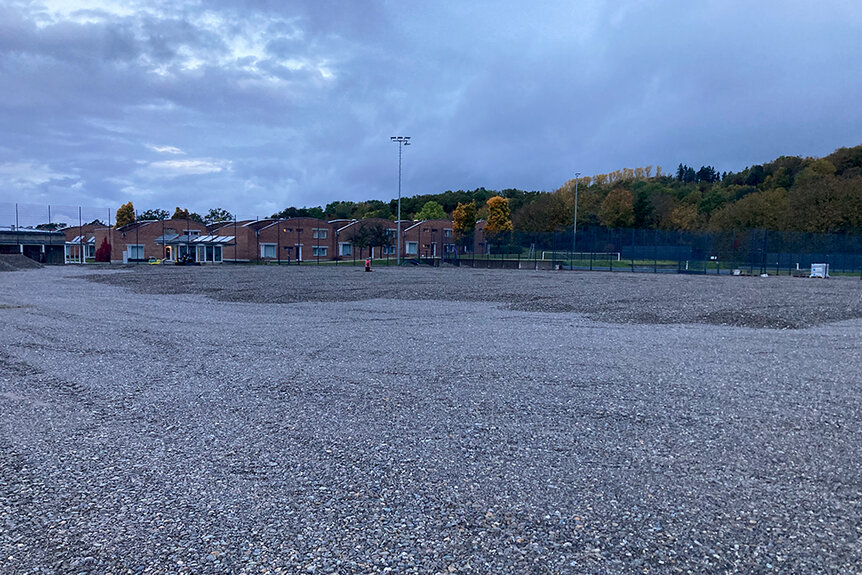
[
  {"x": 791, "y": 193},
  {"x": 822, "y": 195}
]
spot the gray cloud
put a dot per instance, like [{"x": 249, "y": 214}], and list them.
[{"x": 278, "y": 103}]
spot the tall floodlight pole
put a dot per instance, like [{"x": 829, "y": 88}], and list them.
[
  {"x": 402, "y": 141},
  {"x": 575, "y": 224}
]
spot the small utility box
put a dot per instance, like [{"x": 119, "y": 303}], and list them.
[{"x": 819, "y": 271}]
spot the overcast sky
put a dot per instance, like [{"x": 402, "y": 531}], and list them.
[{"x": 256, "y": 106}]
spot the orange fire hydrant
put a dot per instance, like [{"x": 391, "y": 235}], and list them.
[{"x": 368, "y": 264}]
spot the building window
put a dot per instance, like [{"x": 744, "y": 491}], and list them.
[
  {"x": 318, "y": 251},
  {"x": 345, "y": 249},
  {"x": 268, "y": 250},
  {"x": 388, "y": 250},
  {"x": 412, "y": 248},
  {"x": 135, "y": 251},
  {"x": 193, "y": 233},
  {"x": 447, "y": 233},
  {"x": 449, "y": 248},
  {"x": 318, "y": 233},
  {"x": 390, "y": 232}
]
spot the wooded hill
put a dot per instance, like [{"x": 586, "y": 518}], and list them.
[{"x": 790, "y": 193}]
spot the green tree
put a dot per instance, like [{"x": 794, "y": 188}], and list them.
[
  {"x": 125, "y": 215},
  {"x": 292, "y": 212},
  {"x": 184, "y": 214},
  {"x": 156, "y": 214},
  {"x": 617, "y": 209},
  {"x": 431, "y": 211},
  {"x": 547, "y": 213},
  {"x": 360, "y": 237},
  {"x": 379, "y": 236},
  {"x": 643, "y": 210},
  {"x": 216, "y": 215},
  {"x": 340, "y": 210},
  {"x": 499, "y": 216}
]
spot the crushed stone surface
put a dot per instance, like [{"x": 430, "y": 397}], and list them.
[{"x": 326, "y": 420}]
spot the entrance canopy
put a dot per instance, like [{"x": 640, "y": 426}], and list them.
[{"x": 184, "y": 239}]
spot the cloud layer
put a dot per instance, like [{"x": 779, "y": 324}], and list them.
[{"x": 258, "y": 105}]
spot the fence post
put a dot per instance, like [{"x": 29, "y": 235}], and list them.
[{"x": 554, "y": 250}]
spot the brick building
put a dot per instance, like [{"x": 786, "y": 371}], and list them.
[
  {"x": 429, "y": 239},
  {"x": 270, "y": 240},
  {"x": 80, "y": 243},
  {"x": 167, "y": 239}
]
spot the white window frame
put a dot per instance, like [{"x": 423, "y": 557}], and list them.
[
  {"x": 318, "y": 251},
  {"x": 133, "y": 249},
  {"x": 411, "y": 248},
  {"x": 345, "y": 249},
  {"x": 388, "y": 250},
  {"x": 319, "y": 233},
  {"x": 447, "y": 233},
  {"x": 265, "y": 247}
]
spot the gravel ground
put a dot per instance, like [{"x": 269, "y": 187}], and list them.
[{"x": 322, "y": 420}]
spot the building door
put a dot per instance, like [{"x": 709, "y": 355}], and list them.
[{"x": 298, "y": 252}]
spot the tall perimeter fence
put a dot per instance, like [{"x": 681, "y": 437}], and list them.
[
  {"x": 750, "y": 251},
  {"x": 661, "y": 251}
]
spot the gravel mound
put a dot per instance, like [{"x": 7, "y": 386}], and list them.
[
  {"x": 11, "y": 263},
  {"x": 421, "y": 431}
]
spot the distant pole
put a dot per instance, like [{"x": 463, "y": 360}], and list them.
[
  {"x": 80, "y": 236},
  {"x": 402, "y": 141},
  {"x": 575, "y": 224}
]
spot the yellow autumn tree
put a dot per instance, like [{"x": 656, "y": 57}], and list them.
[
  {"x": 499, "y": 216},
  {"x": 464, "y": 219},
  {"x": 125, "y": 215}
]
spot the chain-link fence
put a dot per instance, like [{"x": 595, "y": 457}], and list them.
[
  {"x": 657, "y": 251},
  {"x": 23, "y": 216}
]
